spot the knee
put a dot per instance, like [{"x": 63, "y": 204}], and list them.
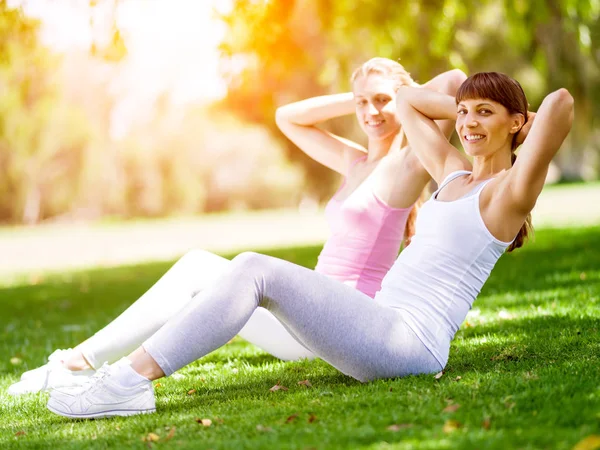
[
  {"x": 249, "y": 260},
  {"x": 198, "y": 257}
]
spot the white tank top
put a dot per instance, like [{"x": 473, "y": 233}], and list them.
[{"x": 438, "y": 276}]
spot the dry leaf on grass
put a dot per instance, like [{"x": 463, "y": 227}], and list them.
[
  {"x": 171, "y": 434},
  {"x": 291, "y": 418},
  {"x": 458, "y": 378},
  {"x": 191, "y": 392},
  {"x": 451, "y": 426},
  {"x": 591, "y": 442},
  {"x": 204, "y": 422},
  {"x": 263, "y": 428},
  {"x": 150, "y": 437},
  {"x": 398, "y": 427},
  {"x": 312, "y": 418},
  {"x": 278, "y": 387},
  {"x": 486, "y": 423},
  {"x": 439, "y": 375},
  {"x": 20, "y": 433},
  {"x": 157, "y": 385},
  {"x": 305, "y": 383},
  {"x": 15, "y": 361},
  {"x": 451, "y": 408}
]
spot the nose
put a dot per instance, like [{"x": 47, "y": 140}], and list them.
[
  {"x": 372, "y": 110},
  {"x": 471, "y": 121}
]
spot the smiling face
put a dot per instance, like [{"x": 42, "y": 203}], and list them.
[
  {"x": 375, "y": 97},
  {"x": 486, "y": 126}
]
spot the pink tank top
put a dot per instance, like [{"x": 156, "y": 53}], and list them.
[{"x": 365, "y": 239}]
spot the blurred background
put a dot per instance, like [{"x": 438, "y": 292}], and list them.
[{"x": 156, "y": 108}]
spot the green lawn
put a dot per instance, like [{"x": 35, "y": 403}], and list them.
[{"x": 523, "y": 370}]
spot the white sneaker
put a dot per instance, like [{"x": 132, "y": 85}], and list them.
[
  {"x": 52, "y": 375},
  {"x": 103, "y": 396},
  {"x": 54, "y": 360}
]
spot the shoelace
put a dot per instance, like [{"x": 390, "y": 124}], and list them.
[{"x": 93, "y": 382}]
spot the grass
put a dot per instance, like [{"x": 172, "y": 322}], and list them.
[{"x": 523, "y": 369}]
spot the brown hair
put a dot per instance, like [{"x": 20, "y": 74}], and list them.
[
  {"x": 386, "y": 67},
  {"x": 507, "y": 91},
  {"x": 410, "y": 228}
]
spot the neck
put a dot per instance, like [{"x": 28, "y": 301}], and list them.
[
  {"x": 485, "y": 167},
  {"x": 379, "y": 148}
]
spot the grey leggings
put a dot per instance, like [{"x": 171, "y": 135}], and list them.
[{"x": 354, "y": 333}]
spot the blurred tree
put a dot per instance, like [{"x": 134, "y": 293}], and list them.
[
  {"x": 279, "y": 51},
  {"x": 42, "y": 139}
]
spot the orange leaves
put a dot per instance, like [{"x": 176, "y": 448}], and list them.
[
  {"x": 304, "y": 383},
  {"x": 278, "y": 387},
  {"x": 20, "y": 433},
  {"x": 191, "y": 392}
]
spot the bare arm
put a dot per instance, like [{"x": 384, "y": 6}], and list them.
[
  {"x": 298, "y": 122},
  {"x": 446, "y": 83},
  {"x": 545, "y": 136},
  {"x": 418, "y": 109}
]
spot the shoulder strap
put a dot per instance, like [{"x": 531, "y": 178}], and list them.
[
  {"x": 355, "y": 162},
  {"x": 451, "y": 176},
  {"x": 483, "y": 184}
]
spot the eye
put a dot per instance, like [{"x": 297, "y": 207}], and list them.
[
  {"x": 361, "y": 102},
  {"x": 383, "y": 99},
  {"x": 485, "y": 111},
  {"x": 462, "y": 111}
]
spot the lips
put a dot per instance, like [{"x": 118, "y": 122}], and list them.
[{"x": 473, "y": 137}]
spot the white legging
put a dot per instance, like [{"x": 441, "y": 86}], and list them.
[{"x": 193, "y": 273}]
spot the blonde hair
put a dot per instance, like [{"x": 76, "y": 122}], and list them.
[
  {"x": 395, "y": 71},
  {"x": 386, "y": 67}
]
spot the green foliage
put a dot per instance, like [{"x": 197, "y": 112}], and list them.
[
  {"x": 522, "y": 370},
  {"x": 43, "y": 138},
  {"x": 546, "y": 44}
]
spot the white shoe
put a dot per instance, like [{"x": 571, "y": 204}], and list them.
[
  {"x": 103, "y": 396},
  {"x": 52, "y": 375},
  {"x": 54, "y": 360}
]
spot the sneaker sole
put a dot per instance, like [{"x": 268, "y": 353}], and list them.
[{"x": 100, "y": 415}]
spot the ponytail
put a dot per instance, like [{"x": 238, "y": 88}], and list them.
[{"x": 527, "y": 228}]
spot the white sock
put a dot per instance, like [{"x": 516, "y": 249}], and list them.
[{"x": 126, "y": 376}]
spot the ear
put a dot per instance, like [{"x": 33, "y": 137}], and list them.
[{"x": 518, "y": 120}]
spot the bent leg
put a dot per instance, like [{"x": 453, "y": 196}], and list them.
[
  {"x": 265, "y": 331},
  {"x": 359, "y": 336},
  {"x": 192, "y": 273}
]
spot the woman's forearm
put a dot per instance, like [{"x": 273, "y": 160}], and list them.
[
  {"x": 431, "y": 104},
  {"x": 317, "y": 109}
]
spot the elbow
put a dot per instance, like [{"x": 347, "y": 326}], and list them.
[
  {"x": 456, "y": 78},
  {"x": 561, "y": 102},
  {"x": 281, "y": 116},
  {"x": 403, "y": 98},
  {"x": 561, "y": 98}
]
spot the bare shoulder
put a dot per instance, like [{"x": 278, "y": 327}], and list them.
[{"x": 497, "y": 209}]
